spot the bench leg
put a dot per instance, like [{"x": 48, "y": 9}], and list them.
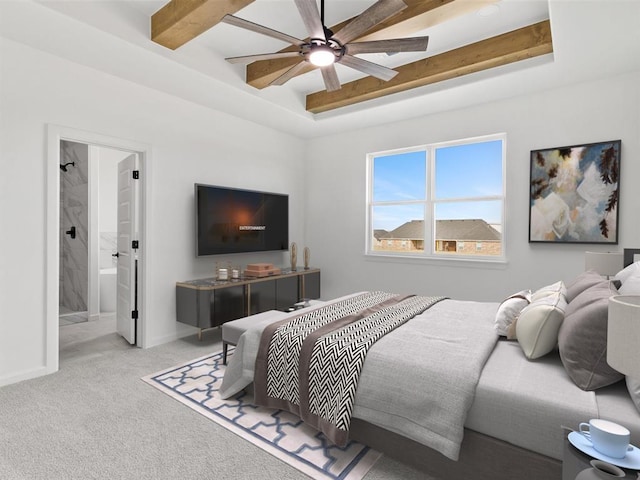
[{"x": 225, "y": 347}]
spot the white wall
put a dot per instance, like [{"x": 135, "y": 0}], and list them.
[
  {"x": 193, "y": 144},
  {"x": 584, "y": 113},
  {"x": 189, "y": 144}
]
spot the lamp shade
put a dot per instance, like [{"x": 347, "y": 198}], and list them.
[
  {"x": 605, "y": 263},
  {"x": 623, "y": 334}
]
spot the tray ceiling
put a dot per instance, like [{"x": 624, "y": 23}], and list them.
[{"x": 478, "y": 51}]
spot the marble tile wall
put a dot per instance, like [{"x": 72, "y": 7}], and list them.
[
  {"x": 108, "y": 246},
  {"x": 74, "y": 211}
]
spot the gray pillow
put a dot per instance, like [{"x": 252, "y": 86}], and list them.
[
  {"x": 582, "y": 338},
  {"x": 633, "y": 385},
  {"x": 582, "y": 282}
]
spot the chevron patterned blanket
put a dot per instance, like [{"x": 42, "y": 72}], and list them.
[{"x": 310, "y": 365}]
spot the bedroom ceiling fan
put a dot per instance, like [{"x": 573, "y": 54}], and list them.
[{"x": 324, "y": 48}]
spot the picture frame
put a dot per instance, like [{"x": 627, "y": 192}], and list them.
[
  {"x": 574, "y": 193},
  {"x": 631, "y": 255}
]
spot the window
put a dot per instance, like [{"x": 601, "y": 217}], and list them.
[{"x": 449, "y": 193}]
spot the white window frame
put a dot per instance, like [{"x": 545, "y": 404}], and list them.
[{"x": 430, "y": 202}]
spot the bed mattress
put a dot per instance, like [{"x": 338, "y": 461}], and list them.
[{"x": 526, "y": 403}]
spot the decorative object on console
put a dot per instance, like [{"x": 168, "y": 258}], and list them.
[
  {"x": 261, "y": 270},
  {"x": 223, "y": 271},
  {"x": 606, "y": 264},
  {"x": 294, "y": 256},
  {"x": 306, "y": 253},
  {"x": 574, "y": 194}
]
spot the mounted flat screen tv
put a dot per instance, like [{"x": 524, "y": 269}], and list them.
[{"x": 230, "y": 220}]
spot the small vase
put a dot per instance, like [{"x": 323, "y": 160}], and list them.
[
  {"x": 294, "y": 256},
  {"x": 600, "y": 471},
  {"x": 306, "y": 253}
]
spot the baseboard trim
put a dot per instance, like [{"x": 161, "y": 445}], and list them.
[{"x": 24, "y": 375}]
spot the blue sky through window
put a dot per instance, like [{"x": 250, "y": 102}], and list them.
[
  {"x": 400, "y": 177},
  {"x": 461, "y": 171},
  {"x": 473, "y": 169}
]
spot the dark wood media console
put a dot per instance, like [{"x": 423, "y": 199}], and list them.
[{"x": 208, "y": 302}]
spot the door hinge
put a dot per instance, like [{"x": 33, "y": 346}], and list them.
[
  {"x": 134, "y": 244},
  {"x": 134, "y": 314},
  {"x": 136, "y": 174}
]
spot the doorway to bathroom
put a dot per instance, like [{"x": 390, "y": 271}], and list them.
[
  {"x": 88, "y": 231},
  {"x": 85, "y": 192}
]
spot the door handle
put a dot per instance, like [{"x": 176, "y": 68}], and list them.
[
  {"x": 115, "y": 254},
  {"x": 71, "y": 232}
]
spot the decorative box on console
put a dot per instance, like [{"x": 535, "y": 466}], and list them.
[{"x": 257, "y": 270}]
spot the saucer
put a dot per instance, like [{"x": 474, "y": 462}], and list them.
[{"x": 631, "y": 460}]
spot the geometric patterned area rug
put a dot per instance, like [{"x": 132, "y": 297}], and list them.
[{"x": 196, "y": 383}]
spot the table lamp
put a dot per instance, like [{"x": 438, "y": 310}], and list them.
[
  {"x": 606, "y": 264},
  {"x": 623, "y": 334}
]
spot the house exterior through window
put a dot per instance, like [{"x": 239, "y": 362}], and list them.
[{"x": 442, "y": 200}]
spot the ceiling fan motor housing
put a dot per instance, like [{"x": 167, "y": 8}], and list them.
[{"x": 321, "y": 52}]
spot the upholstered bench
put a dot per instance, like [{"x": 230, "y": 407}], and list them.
[{"x": 233, "y": 330}]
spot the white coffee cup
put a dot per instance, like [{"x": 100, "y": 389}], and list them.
[{"x": 607, "y": 437}]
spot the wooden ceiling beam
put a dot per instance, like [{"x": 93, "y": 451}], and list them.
[
  {"x": 180, "y": 21},
  {"x": 521, "y": 44},
  {"x": 418, "y": 15}
]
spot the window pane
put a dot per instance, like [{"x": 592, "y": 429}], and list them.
[
  {"x": 399, "y": 177},
  {"x": 469, "y": 228},
  {"x": 471, "y": 170},
  {"x": 398, "y": 228}
]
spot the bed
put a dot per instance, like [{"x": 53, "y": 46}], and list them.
[{"x": 491, "y": 392}]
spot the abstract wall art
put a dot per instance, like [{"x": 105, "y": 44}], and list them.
[{"x": 574, "y": 194}]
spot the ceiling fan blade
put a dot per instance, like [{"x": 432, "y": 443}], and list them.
[
  {"x": 414, "y": 44},
  {"x": 377, "y": 13},
  {"x": 330, "y": 77},
  {"x": 373, "y": 69},
  {"x": 261, "y": 56},
  {"x": 311, "y": 17},
  {"x": 289, "y": 74},
  {"x": 254, "y": 27}
]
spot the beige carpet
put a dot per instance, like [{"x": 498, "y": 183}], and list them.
[{"x": 195, "y": 384}]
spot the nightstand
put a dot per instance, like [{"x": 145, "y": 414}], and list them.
[{"x": 574, "y": 461}]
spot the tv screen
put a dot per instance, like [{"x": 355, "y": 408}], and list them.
[{"x": 230, "y": 220}]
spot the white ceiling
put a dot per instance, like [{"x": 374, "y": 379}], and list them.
[{"x": 591, "y": 38}]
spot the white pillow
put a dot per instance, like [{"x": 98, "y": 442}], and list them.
[
  {"x": 631, "y": 286},
  {"x": 627, "y": 272},
  {"x": 538, "y": 325},
  {"x": 630, "y": 279},
  {"x": 552, "y": 289},
  {"x": 509, "y": 310},
  {"x": 633, "y": 385}
]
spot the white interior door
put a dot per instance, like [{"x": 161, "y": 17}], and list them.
[{"x": 127, "y": 304}]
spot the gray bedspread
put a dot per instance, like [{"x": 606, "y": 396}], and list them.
[{"x": 418, "y": 380}]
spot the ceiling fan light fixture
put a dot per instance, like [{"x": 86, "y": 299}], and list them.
[{"x": 322, "y": 55}]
